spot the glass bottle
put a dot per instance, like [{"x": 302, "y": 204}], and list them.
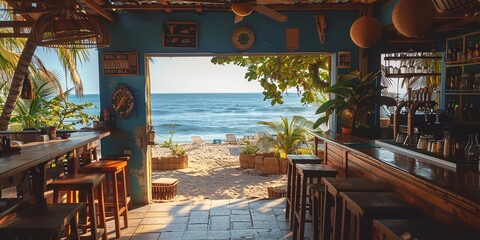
[
  {"x": 470, "y": 52},
  {"x": 476, "y": 52},
  {"x": 460, "y": 52},
  {"x": 403, "y": 69},
  {"x": 473, "y": 153},
  {"x": 469, "y": 143},
  {"x": 419, "y": 69}
]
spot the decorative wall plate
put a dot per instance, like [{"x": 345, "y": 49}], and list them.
[
  {"x": 243, "y": 38},
  {"x": 123, "y": 101}
]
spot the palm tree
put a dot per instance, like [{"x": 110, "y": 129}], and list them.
[
  {"x": 21, "y": 64},
  {"x": 289, "y": 136}
]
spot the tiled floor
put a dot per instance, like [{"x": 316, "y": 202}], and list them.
[{"x": 209, "y": 219}]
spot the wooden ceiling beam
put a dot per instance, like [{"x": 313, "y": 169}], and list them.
[
  {"x": 14, "y": 35},
  {"x": 15, "y": 24},
  {"x": 225, "y": 7},
  {"x": 15, "y": 6},
  {"x": 456, "y": 24},
  {"x": 95, "y": 7}
]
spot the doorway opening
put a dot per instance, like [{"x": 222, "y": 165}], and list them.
[{"x": 194, "y": 104}]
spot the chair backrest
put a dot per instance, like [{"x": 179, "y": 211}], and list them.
[
  {"x": 258, "y": 135},
  {"x": 231, "y": 138},
  {"x": 197, "y": 140}
]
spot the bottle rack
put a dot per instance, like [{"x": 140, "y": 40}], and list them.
[
  {"x": 462, "y": 82},
  {"x": 417, "y": 64}
]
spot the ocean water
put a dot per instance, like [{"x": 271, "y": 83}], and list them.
[{"x": 212, "y": 115}]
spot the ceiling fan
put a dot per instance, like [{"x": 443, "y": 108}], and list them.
[{"x": 244, "y": 8}]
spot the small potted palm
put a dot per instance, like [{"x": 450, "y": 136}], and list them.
[
  {"x": 356, "y": 97},
  {"x": 290, "y": 137},
  {"x": 177, "y": 157},
  {"x": 247, "y": 155}
]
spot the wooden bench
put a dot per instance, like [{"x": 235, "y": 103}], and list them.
[{"x": 40, "y": 221}]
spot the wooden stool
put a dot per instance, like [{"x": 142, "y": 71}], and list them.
[
  {"x": 317, "y": 192},
  {"x": 121, "y": 157},
  {"x": 424, "y": 229},
  {"x": 360, "y": 208},
  {"x": 39, "y": 221},
  {"x": 292, "y": 162},
  {"x": 84, "y": 183},
  {"x": 333, "y": 187},
  {"x": 164, "y": 188},
  {"x": 306, "y": 173},
  {"x": 112, "y": 169}
]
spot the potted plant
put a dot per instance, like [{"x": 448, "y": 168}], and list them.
[
  {"x": 356, "y": 97},
  {"x": 290, "y": 137},
  {"x": 247, "y": 155},
  {"x": 177, "y": 157}
]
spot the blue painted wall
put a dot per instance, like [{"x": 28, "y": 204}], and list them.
[{"x": 142, "y": 33}]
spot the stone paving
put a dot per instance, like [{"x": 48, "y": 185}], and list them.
[{"x": 209, "y": 219}]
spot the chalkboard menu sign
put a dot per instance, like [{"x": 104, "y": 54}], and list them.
[
  {"x": 180, "y": 35},
  {"x": 120, "y": 64}
]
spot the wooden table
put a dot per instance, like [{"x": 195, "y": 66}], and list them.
[{"x": 35, "y": 155}]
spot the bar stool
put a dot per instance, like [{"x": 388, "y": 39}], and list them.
[
  {"x": 425, "y": 229},
  {"x": 87, "y": 184},
  {"x": 121, "y": 157},
  {"x": 317, "y": 192},
  {"x": 333, "y": 187},
  {"x": 40, "y": 221},
  {"x": 292, "y": 162},
  {"x": 361, "y": 208},
  {"x": 306, "y": 173},
  {"x": 113, "y": 169}
]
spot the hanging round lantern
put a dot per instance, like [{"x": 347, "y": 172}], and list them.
[
  {"x": 366, "y": 31},
  {"x": 242, "y": 9},
  {"x": 413, "y": 17}
]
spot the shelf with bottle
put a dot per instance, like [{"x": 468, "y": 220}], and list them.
[
  {"x": 458, "y": 83},
  {"x": 412, "y": 64},
  {"x": 464, "y": 110},
  {"x": 456, "y": 57}
]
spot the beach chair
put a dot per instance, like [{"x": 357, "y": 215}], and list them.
[
  {"x": 197, "y": 140},
  {"x": 232, "y": 139}
]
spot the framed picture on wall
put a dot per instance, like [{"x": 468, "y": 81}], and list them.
[
  {"x": 180, "y": 35},
  {"x": 344, "y": 59}
]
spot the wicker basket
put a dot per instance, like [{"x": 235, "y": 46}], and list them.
[
  {"x": 276, "y": 192},
  {"x": 164, "y": 188}
]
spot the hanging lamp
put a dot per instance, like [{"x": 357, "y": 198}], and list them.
[
  {"x": 366, "y": 31},
  {"x": 242, "y": 9},
  {"x": 413, "y": 17},
  {"x": 70, "y": 27}
]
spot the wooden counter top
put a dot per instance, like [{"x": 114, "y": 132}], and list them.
[
  {"x": 34, "y": 153},
  {"x": 461, "y": 182}
]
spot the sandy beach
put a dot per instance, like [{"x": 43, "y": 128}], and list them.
[{"x": 214, "y": 173}]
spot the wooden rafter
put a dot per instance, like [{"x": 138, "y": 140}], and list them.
[
  {"x": 16, "y": 24},
  {"x": 102, "y": 12},
  {"x": 15, "y": 6},
  {"x": 14, "y": 35}
]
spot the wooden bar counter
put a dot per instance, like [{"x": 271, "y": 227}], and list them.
[{"x": 449, "y": 194}]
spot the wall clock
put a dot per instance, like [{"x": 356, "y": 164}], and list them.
[
  {"x": 123, "y": 101},
  {"x": 243, "y": 38}
]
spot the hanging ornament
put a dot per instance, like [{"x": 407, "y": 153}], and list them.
[
  {"x": 27, "y": 88},
  {"x": 366, "y": 31},
  {"x": 413, "y": 17}
]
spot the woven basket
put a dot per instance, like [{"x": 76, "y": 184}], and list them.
[
  {"x": 164, "y": 188},
  {"x": 276, "y": 192}
]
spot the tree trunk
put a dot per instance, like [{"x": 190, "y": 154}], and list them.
[{"x": 17, "y": 82}]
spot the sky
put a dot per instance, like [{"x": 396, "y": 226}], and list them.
[{"x": 168, "y": 75}]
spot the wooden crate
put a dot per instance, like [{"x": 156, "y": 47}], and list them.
[{"x": 164, "y": 188}]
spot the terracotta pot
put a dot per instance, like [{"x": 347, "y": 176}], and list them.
[{"x": 346, "y": 130}]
